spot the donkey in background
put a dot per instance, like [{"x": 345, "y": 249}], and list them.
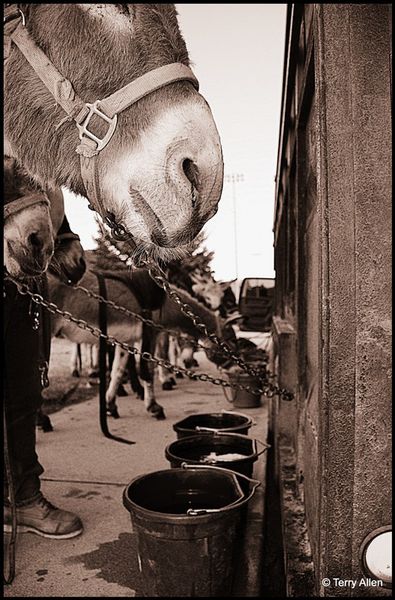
[
  {"x": 123, "y": 327},
  {"x": 31, "y": 219}
]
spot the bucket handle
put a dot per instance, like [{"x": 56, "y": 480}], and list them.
[
  {"x": 209, "y": 429},
  {"x": 193, "y": 512},
  {"x": 246, "y": 437}
]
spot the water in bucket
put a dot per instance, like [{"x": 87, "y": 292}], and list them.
[{"x": 229, "y": 450}]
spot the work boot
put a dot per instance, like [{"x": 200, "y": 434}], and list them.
[{"x": 42, "y": 518}]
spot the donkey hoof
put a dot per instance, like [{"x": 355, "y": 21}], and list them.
[
  {"x": 121, "y": 390},
  {"x": 167, "y": 385},
  {"x": 113, "y": 412},
  {"x": 172, "y": 381},
  {"x": 179, "y": 376},
  {"x": 44, "y": 422},
  {"x": 94, "y": 374},
  {"x": 157, "y": 412},
  {"x": 75, "y": 373},
  {"x": 47, "y": 425}
]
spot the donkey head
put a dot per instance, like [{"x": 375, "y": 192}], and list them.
[
  {"x": 162, "y": 172},
  {"x": 207, "y": 288},
  {"x": 68, "y": 261},
  {"x": 28, "y": 231}
]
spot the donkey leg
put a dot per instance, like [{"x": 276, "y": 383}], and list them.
[
  {"x": 174, "y": 354},
  {"x": 117, "y": 371},
  {"x": 75, "y": 361},
  {"x": 134, "y": 378},
  {"x": 162, "y": 351},
  {"x": 147, "y": 370},
  {"x": 187, "y": 356},
  {"x": 93, "y": 350},
  {"x": 43, "y": 421},
  {"x": 150, "y": 402}
]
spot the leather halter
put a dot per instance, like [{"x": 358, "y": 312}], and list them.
[
  {"x": 81, "y": 112},
  {"x": 14, "y": 206}
]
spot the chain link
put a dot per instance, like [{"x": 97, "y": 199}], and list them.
[{"x": 267, "y": 389}]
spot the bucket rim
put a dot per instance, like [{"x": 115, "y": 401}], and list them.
[
  {"x": 254, "y": 442},
  {"x": 248, "y": 422},
  {"x": 181, "y": 518}
]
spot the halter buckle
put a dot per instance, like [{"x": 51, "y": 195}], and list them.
[
  {"x": 84, "y": 131},
  {"x": 13, "y": 12}
]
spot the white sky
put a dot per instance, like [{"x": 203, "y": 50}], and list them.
[{"x": 237, "y": 54}]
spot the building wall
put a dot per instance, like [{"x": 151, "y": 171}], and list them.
[{"x": 333, "y": 279}]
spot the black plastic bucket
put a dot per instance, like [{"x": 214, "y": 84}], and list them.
[
  {"x": 226, "y": 421},
  {"x": 226, "y": 450},
  {"x": 186, "y": 522}
]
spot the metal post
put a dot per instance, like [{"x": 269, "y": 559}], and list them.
[{"x": 235, "y": 178}]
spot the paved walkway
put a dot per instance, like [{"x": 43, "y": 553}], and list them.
[{"x": 86, "y": 473}]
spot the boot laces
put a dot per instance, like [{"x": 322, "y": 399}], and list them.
[{"x": 42, "y": 501}]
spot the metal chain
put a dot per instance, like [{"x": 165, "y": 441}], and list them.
[
  {"x": 160, "y": 279},
  {"x": 134, "y": 315},
  {"x": 261, "y": 374},
  {"x": 268, "y": 389},
  {"x": 158, "y": 276},
  {"x": 173, "y": 294}
]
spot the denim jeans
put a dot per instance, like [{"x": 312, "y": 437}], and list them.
[{"x": 22, "y": 393}]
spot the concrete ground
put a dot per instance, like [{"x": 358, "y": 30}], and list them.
[{"x": 87, "y": 473}]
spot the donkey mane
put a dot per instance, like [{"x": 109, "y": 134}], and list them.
[
  {"x": 148, "y": 294},
  {"x": 17, "y": 182}
]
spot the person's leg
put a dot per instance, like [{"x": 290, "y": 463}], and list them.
[
  {"x": 22, "y": 394},
  {"x": 22, "y": 398}
]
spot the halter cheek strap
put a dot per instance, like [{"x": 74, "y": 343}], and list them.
[{"x": 81, "y": 112}]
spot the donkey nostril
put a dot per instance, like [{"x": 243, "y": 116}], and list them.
[
  {"x": 191, "y": 171},
  {"x": 35, "y": 241}
]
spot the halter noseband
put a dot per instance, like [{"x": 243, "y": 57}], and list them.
[
  {"x": 81, "y": 112},
  {"x": 14, "y": 206}
]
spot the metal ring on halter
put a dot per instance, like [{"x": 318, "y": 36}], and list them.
[
  {"x": 22, "y": 14},
  {"x": 12, "y": 13}
]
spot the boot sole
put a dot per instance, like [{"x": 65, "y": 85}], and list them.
[{"x": 51, "y": 536}]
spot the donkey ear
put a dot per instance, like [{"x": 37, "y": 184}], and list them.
[{"x": 196, "y": 278}]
